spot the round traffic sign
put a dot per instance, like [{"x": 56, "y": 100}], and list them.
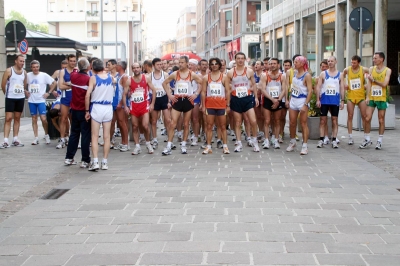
[
  {"x": 366, "y": 21},
  {"x": 20, "y": 31},
  {"x": 23, "y": 46}
]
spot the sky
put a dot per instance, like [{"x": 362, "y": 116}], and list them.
[{"x": 162, "y": 15}]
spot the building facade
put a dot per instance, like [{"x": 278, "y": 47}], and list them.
[
  {"x": 168, "y": 47},
  {"x": 186, "y": 30},
  {"x": 3, "y": 63},
  {"x": 123, "y": 26},
  {"x": 225, "y": 27},
  {"x": 320, "y": 28}
]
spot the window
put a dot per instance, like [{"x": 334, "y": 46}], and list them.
[
  {"x": 95, "y": 33},
  {"x": 94, "y": 7},
  {"x": 52, "y": 6},
  {"x": 237, "y": 15}
]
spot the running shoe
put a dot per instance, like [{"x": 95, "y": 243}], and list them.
[
  {"x": 219, "y": 144},
  {"x": 163, "y": 132},
  {"x": 4, "y": 145},
  {"x": 47, "y": 139},
  {"x": 378, "y": 145},
  {"x": 183, "y": 149},
  {"x": 304, "y": 151},
  {"x": 351, "y": 141},
  {"x": 173, "y": 146},
  {"x": 297, "y": 138},
  {"x": 166, "y": 151},
  {"x": 277, "y": 145},
  {"x": 84, "y": 165},
  {"x": 194, "y": 142},
  {"x": 117, "y": 147},
  {"x": 150, "y": 149},
  {"x": 238, "y": 148},
  {"x": 335, "y": 144},
  {"x": 320, "y": 144},
  {"x": 101, "y": 143},
  {"x": 260, "y": 136},
  {"x": 180, "y": 138},
  {"x": 104, "y": 166},
  {"x": 142, "y": 141},
  {"x": 17, "y": 143},
  {"x": 226, "y": 150},
  {"x": 265, "y": 144},
  {"x": 256, "y": 148},
  {"x": 326, "y": 141},
  {"x": 207, "y": 151},
  {"x": 155, "y": 144},
  {"x": 66, "y": 141},
  {"x": 234, "y": 138},
  {"x": 365, "y": 144},
  {"x": 123, "y": 148},
  {"x": 280, "y": 139},
  {"x": 94, "y": 167},
  {"x": 249, "y": 142},
  {"x": 35, "y": 142},
  {"x": 291, "y": 146},
  {"x": 204, "y": 145},
  {"x": 338, "y": 141},
  {"x": 69, "y": 162},
  {"x": 79, "y": 146},
  {"x": 136, "y": 150}
]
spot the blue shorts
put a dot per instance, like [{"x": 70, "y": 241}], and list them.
[
  {"x": 35, "y": 107},
  {"x": 66, "y": 98},
  {"x": 197, "y": 100}
]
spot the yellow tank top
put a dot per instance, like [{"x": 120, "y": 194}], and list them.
[
  {"x": 356, "y": 84},
  {"x": 291, "y": 76},
  {"x": 377, "y": 92}
]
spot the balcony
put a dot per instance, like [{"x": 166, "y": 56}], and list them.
[
  {"x": 252, "y": 26},
  {"x": 82, "y": 15}
]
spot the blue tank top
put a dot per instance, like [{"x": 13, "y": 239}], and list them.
[
  {"x": 116, "y": 93},
  {"x": 257, "y": 78},
  {"x": 67, "y": 75},
  {"x": 330, "y": 92}
]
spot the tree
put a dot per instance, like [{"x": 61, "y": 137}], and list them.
[{"x": 14, "y": 15}]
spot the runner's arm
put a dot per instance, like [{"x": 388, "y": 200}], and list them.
[
  {"x": 284, "y": 88},
  {"x": 368, "y": 86},
  {"x": 154, "y": 94},
  {"x": 319, "y": 84},
  {"x": 92, "y": 82},
  {"x": 342, "y": 79},
  {"x": 6, "y": 76},
  {"x": 166, "y": 82},
  {"x": 62, "y": 84},
  {"x": 227, "y": 86},
  {"x": 387, "y": 79},
  {"x": 199, "y": 81},
  {"x": 308, "y": 84}
]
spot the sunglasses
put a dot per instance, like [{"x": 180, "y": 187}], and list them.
[{"x": 214, "y": 64}]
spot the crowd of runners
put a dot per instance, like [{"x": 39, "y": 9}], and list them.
[{"x": 190, "y": 101}]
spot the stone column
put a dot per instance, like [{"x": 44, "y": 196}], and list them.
[
  {"x": 3, "y": 62},
  {"x": 303, "y": 36},
  {"x": 351, "y": 35},
  {"x": 381, "y": 12},
  {"x": 284, "y": 44},
  {"x": 297, "y": 36},
  {"x": 339, "y": 35},
  {"x": 262, "y": 46},
  {"x": 318, "y": 39},
  {"x": 274, "y": 44},
  {"x": 270, "y": 43}
]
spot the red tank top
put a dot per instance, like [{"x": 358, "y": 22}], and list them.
[{"x": 139, "y": 91}]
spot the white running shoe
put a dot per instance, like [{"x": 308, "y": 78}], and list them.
[
  {"x": 4, "y": 145},
  {"x": 142, "y": 141},
  {"x": 335, "y": 145},
  {"x": 238, "y": 148},
  {"x": 104, "y": 166},
  {"x": 265, "y": 144},
  {"x": 94, "y": 166},
  {"x": 117, "y": 147},
  {"x": 150, "y": 149},
  {"x": 35, "y": 142},
  {"x": 378, "y": 145},
  {"x": 123, "y": 148},
  {"x": 351, "y": 141},
  {"x": 320, "y": 144},
  {"x": 17, "y": 143},
  {"x": 365, "y": 144},
  {"x": 136, "y": 150},
  {"x": 84, "y": 165},
  {"x": 304, "y": 151},
  {"x": 226, "y": 150},
  {"x": 207, "y": 151},
  {"x": 194, "y": 142},
  {"x": 276, "y": 145},
  {"x": 326, "y": 141},
  {"x": 60, "y": 145},
  {"x": 69, "y": 162},
  {"x": 166, "y": 151},
  {"x": 47, "y": 139},
  {"x": 255, "y": 147},
  {"x": 291, "y": 146},
  {"x": 249, "y": 142},
  {"x": 183, "y": 150}
]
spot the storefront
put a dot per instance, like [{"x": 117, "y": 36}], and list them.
[{"x": 232, "y": 48}]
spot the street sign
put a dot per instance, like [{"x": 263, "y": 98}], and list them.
[
  {"x": 23, "y": 46},
  {"x": 19, "y": 29},
  {"x": 360, "y": 19}
]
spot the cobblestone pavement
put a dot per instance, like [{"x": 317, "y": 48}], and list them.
[{"x": 331, "y": 207}]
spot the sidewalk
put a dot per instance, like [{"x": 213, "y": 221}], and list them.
[{"x": 331, "y": 207}]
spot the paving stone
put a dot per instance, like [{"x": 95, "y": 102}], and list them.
[
  {"x": 143, "y": 228},
  {"x": 299, "y": 247},
  {"x": 173, "y": 236},
  {"x": 270, "y": 237},
  {"x": 12, "y": 260},
  {"x": 347, "y": 248},
  {"x": 389, "y": 249},
  {"x": 26, "y": 240},
  {"x": 12, "y": 250},
  {"x": 69, "y": 239},
  {"x": 103, "y": 259},
  {"x": 59, "y": 249},
  {"x": 239, "y": 227},
  {"x": 357, "y": 238},
  {"x": 99, "y": 229},
  {"x": 313, "y": 237},
  {"x": 360, "y": 229},
  {"x": 64, "y": 230},
  {"x": 111, "y": 238},
  {"x": 284, "y": 259},
  {"x": 127, "y": 248},
  {"x": 379, "y": 260},
  {"x": 47, "y": 260},
  {"x": 228, "y": 258},
  {"x": 221, "y": 236},
  {"x": 253, "y": 247},
  {"x": 340, "y": 259},
  {"x": 192, "y": 246}
]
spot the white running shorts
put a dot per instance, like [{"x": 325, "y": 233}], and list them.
[{"x": 102, "y": 113}]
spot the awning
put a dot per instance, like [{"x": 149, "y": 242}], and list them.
[
  {"x": 329, "y": 17},
  {"x": 53, "y": 51}
]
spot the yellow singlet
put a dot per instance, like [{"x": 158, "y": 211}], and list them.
[
  {"x": 356, "y": 84},
  {"x": 377, "y": 92}
]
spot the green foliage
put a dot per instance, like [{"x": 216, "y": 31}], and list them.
[
  {"x": 313, "y": 111},
  {"x": 14, "y": 15}
]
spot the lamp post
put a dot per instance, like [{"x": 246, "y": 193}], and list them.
[
  {"x": 116, "y": 33},
  {"x": 137, "y": 42},
  {"x": 127, "y": 27},
  {"x": 101, "y": 30}
]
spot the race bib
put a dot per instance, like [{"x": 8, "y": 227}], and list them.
[
  {"x": 160, "y": 92},
  {"x": 215, "y": 89},
  {"x": 18, "y": 89},
  {"x": 274, "y": 91},
  {"x": 34, "y": 88},
  {"x": 355, "y": 84},
  {"x": 376, "y": 90},
  {"x": 295, "y": 91},
  {"x": 330, "y": 90},
  {"x": 242, "y": 92},
  {"x": 182, "y": 88},
  {"x": 137, "y": 97}
]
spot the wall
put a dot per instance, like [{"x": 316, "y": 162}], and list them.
[
  {"x": 393, "y": 48},
  {"x": 3, "y": 60}
]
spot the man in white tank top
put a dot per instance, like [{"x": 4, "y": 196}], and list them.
[{"x": 13, "y": 85}]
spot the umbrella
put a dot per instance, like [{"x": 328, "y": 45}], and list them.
[{"x": 172, "y": 56}]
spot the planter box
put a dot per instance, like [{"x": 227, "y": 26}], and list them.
[
  {"x": 390, "y": 118},
  {"x": 313, "y": 127}
]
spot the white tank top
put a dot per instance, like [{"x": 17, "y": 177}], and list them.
[
  {"x": 160, "y": 92},
  {"x": 103, "y": 93},
  {"x": 299, "y": 90},
  {"x": 120, "y": 87},
  {"x": 15, "y": 87},
  {"x": 274, "y": 86}
]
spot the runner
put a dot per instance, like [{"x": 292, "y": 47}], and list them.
[
  {"x": 56, "y": 77},
  {"x": 330, "y": 98},
  {"x": 258, "y": 73},
  {"x": 214, "y": 97},
  {"x": 139, "y": 86},
  {"x": 243, "y": 86},
  {"x": 182, "y": 100},
  {"x": 355, "y": 92},
  {"x": 287, "y": 65},
  {"x": 99, "y": 94},
  {"x": 377, "y": 92},
  {"x": 161, "y": 103},
  {"x": 266, "y": 64},
  {"x": 298, "y": 102},
  {"x": 273, "y": 88},
  {"x": 80, "y": 127},
  {"x": 37, "y": 85},
  {"x": 66, "y": 95},
  {"x": 112, "y": 69},
  {"x": 13, "y": 85},
  {"x": 164, "y": 65}
]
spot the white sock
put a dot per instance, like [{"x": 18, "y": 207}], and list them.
[
  {"x": 224, "y": 145},
  {"x": 209, "y": 147},
  {"x": 239, "y": 142},
  {"x": 138, "y": 145},
  {"x": 380, "y": 138},
  {"x": 183, "y": 143},
  {"x": 63, "y": 139},
  {"x": 155, "y": 139},
  {"x": 350, "y": 135},
  {"x": 15, "y": 138},
  {"x": 147, "y": 142},
  {"x": 104, "y": 160},
  {"x": 142, "y": 136},
  {"x": 293, "y": 140},
  {"x": 304, "y": 145},
  {"x": 6, "y": 140},
  {"x": 169, "y": 145},
  {"x": 367, "y": 137},
  {"x": 95, "y": 160}
]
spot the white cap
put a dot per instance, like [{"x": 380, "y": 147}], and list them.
[{"x": 193, "y": 61}]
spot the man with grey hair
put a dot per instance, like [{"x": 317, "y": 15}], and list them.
[{"x": 79, "y": 125}]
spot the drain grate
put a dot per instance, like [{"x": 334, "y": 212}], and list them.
[
  {"x": 398, "y": 189},
  {"x": 55, "y": 193}
]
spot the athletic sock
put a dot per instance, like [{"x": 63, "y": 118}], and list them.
[
  {"x": 95, "y": 160},
  {"x": 6, "y": 140},
  {"x": 104, "y": 160},
  {"x": 380, "y": 138},
  {"x": 350, "y": 136},
  {"x": 367, "y": 137},
  {"x": 183, "y": 143},
  {"x": 209, "y": 147},
  {"x": 169, "y": 145}
]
